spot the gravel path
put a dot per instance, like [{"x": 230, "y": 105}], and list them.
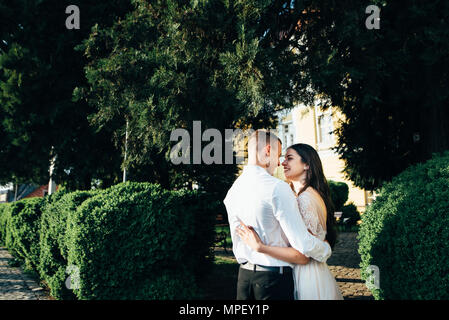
[
  {"x": 344, "y": 265},
  {"x": 15, "y": 284}
]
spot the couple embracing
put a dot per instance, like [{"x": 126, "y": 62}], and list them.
[{"x": 282, "y": 233}]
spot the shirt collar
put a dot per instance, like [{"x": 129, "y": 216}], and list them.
[{"x": 252, "y": 168}]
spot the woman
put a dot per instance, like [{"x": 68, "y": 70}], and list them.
[{"x": 304, "y": 171}]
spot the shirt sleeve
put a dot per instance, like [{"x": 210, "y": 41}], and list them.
[
  {"x": 234, "y": 222},
  {"x": 286, "y": 211}
]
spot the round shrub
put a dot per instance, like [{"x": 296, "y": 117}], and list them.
[
  {"x": 350, "y": 215},
  {"x": 53, "y": 244},
  {"x": 128, "y": 241},
  {"x": 339, "y": 192},
  {"x": 405, "y": 231}
]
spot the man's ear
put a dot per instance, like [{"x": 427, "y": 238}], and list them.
[{"x": 268, "y": 150}]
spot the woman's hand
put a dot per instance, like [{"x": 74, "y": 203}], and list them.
[{"x": 250, "y": 237}]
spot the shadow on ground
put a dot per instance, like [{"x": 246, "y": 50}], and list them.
[{"x": 221, "y": 283}]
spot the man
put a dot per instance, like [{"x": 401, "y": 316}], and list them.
[{"x": 268, "y": 205}]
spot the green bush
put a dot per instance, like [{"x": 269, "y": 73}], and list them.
[
  {"x": 350, "y": 215},
  {"x": 405, "y": 231},
  {"x": 53, "y": 243},
  {"x": 4, "y": 218},
  {"x": 5, "y": 221},
  {"x": 129, "y": 239},
  {"x": 22, "y": 230},
  {"x": 339, "y": 192}
]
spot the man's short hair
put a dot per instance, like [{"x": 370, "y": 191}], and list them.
[{"x": 261, "y": 138}]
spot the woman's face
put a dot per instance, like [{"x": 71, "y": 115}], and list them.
[{"x": 294, "y": 168}]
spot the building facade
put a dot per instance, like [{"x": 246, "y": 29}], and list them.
[{"x": 11, "y": 192}]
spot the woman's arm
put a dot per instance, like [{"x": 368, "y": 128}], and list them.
[{"x": 288, "y": 254}]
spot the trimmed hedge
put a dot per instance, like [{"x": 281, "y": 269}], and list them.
[
  {"x": 131, "y": 237},
  {"x": 4, "y": 218},
  {"x": 53, "y": 242},
  {"x": 405, "y": 232},
  {"x": 22, "y": 230},
  {"x": 131, "y": 241}
]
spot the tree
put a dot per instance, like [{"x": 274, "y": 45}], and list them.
[
  {"x": 38, "y": 119},
  {"x": 170, "y": 63},
  {"x": 390, "y": 83}
]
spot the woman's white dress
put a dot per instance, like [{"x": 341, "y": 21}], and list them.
[{"x": 314, "y": 281}]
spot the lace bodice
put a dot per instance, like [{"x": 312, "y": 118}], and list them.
[{"x": 313, "y": 212}]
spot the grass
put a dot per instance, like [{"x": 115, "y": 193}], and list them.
[{"x": 225, "y": 229}]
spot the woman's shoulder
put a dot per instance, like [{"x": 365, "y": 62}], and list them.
[
  {"x": 310, "y": 196},
  {"x": 309, "y": 192},
  {"x": 305, "y": 197}
]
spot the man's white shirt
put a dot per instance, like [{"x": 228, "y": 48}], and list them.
[{"x": 269, "y": 206}]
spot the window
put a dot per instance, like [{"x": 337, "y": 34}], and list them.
[
  {"x": 325, "y": 128},
  {"x": 287, "y": 135},
  {"x": 370, "y": 196},
  {"x": 286, "y": 129}
]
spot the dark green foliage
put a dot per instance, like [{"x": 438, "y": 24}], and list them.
[
  {"x": 39, "y": 68},
  {"x": 22, "y": 230},
  {"x": 169, "y": 63},
  {"x": 390, "y": 84},
  {"x": 131, "y": 241},
  {"x": 162, "y": 64},
  {"x": 350, "y": 215},
  {"x": 339, "y": 192},
  {"x": 405, "y": 231},
  {"x": 4, "y": 218},
  {"x": 53, "y": 243},
  {"x": 133, "y": 236}
]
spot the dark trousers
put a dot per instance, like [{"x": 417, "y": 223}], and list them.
[{"x": 265, "y": 285}]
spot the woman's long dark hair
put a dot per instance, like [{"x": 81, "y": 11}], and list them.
[{"x": 315, "y": 179}]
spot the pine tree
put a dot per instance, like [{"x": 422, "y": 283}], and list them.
[
  {"x": 39, "y": 69},
  {"x": 391, "y": 84},
  {"x": 170, "y": 63}
]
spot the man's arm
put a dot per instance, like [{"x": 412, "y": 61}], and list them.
[
  {"x": 286, "y": 211},
  {"x": 234, "y": 222}
]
